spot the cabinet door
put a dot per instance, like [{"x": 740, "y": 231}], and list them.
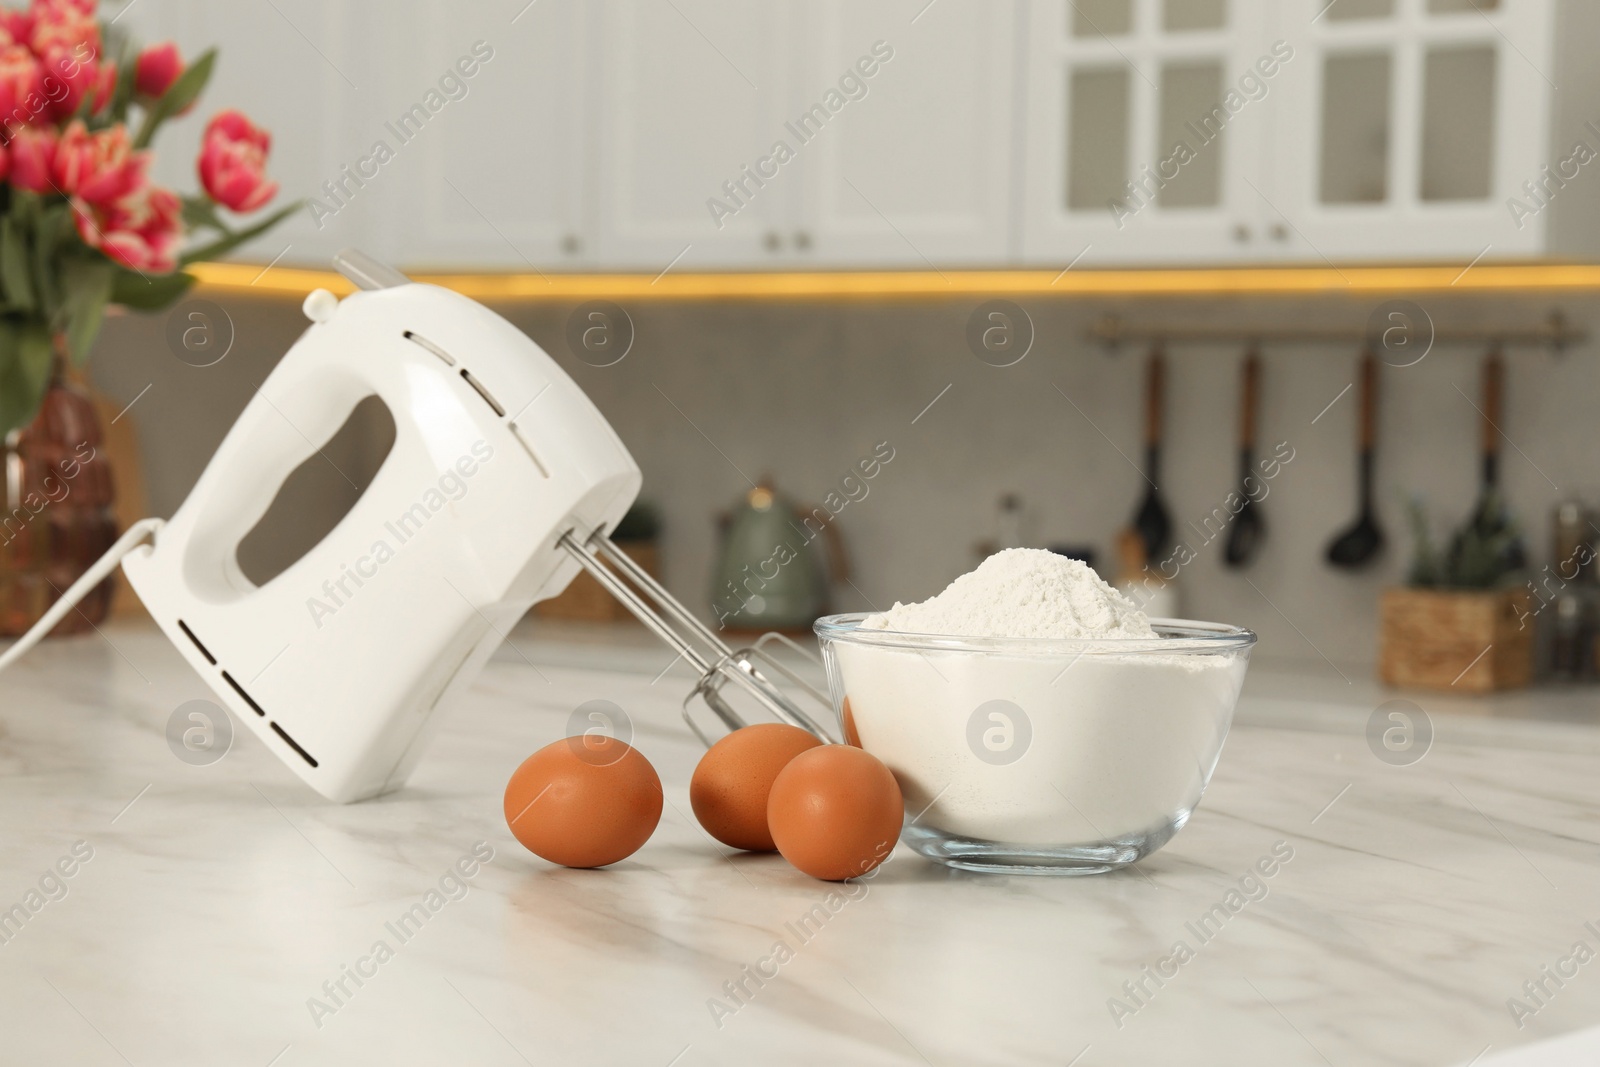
[
  {"x": 297, "y": 68},
  {"x": 1410, "y": 123},
  {"x": 694, "y": 95},
  {"x": 910, "y": 164},
  {"x": 1145, "y": 123},
  {"x": 491, "y": 173}
]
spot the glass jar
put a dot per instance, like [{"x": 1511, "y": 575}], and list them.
[{"x": 59, "y": 517}]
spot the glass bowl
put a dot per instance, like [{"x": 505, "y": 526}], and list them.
[{"x": 1029, "y": 756}]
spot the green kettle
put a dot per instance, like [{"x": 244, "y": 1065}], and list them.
[{"x": 773, "y": 571}]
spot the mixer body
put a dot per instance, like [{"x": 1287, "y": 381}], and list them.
[{"x": 341, "y": 663}]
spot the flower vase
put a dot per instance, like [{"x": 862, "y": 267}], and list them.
[{"x": 58, "y": 517}]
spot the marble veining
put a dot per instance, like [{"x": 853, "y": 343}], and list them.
[{"x": 222, "y": 903}]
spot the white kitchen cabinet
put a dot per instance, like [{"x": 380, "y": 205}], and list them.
[
  {"x": 754, "y": 136},
  {"x": 498, "y": 177},
  {"x": 693, "y": 96},
  {"x": 1407, "y": 126},
  {"x": 1146, "y": 126},
  {"x": 648, "y": 135},
  {"x": 1357, "y": 130},
  {"x": 915, "y": 166}
]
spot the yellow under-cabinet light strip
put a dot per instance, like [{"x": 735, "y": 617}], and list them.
[{"x": 1242, "y": 281}]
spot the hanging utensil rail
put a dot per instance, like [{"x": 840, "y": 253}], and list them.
[{"x": 1112, "y": 331}]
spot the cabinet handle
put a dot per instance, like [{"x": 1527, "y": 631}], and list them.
[
  {"x": 1241, "y": 233},
  {"x": 802, "y": 240},
  {"x": 1279, "y": 232},
  {"x": 772, "y": 241},
  {"x": 571, "y": 245}
]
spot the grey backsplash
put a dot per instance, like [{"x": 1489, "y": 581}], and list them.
[{"x": 715, "y": 393}]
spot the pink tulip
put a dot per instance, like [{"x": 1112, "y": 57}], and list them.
[
  {"x": 99, "y": 167},
  {"x": 16, "y": 26},
  {"x": 233, "y": 159},
  {"x": 104, "y": 87},
  {"x": 142, "y": 231},
  {"x": 159, "y": 66},
  {"x": 66, "y": 37},
  {"x": 33, "y": 153},
  {"x": 85, "y": 7},
  {"x": 20, "y": 76},
  {"x": 69, "y": 76},
  {"x": 5, "y": 163},
  {"x": 62, "y": 26}
]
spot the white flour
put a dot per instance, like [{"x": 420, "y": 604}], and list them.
[
  {"x": 1116, "y": 746},
  {"x": 1022, "y": 592}
]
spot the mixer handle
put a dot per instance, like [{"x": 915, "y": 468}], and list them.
[
  {"x": 295, "y": 412},
  {"x": 299, "y": 408}
]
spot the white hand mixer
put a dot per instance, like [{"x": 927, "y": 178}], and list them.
[{"x": 502, "y": 482}]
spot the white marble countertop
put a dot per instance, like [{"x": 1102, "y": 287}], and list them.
[{"x": 216, "y": 901}]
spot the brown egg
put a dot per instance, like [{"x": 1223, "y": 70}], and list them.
[
  {"x": 835, "y": 812},
  {"x": 850, "y": 735},
  {"x": 584, "y": 801},
  {"x": 729, "y": 789}
]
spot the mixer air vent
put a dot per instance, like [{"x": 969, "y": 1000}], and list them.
[
  {"x": 422, "y": 342},
  {"x": 292, "y": 743},
  {"x": 488, "y": 397},
  {"x": 516, "y": 431},
  {"x": 237, "y": 688},
  {"x": 483, "y": 392},
  {"x": 204, "y": 651}
]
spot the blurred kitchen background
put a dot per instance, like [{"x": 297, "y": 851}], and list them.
[{"x": 1296, "y": 167}]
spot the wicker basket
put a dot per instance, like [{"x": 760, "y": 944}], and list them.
[{"x": 1468, "y": 641}]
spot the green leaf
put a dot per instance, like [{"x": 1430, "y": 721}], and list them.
[
  {"x": 127, "y": 74},
  {"x": 147, "y": 292},
  {"x": 234, "y": 239},
  {"x": 24, "y": 372},
  {"x": 201, "y": 211},
  {"x": 54, "y": 223},
  {"x": 88, "y": 288},
  {"x": 24, "y": 204},
  {"x": 183, "y": 92},
  {"x": 14, "y": 274}
]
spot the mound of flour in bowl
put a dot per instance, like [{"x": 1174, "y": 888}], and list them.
[{"x": 1022, "y": 592}]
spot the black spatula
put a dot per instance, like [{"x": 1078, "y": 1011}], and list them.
[
  {"x": 1490, "y": 523},
  {"x": 1152, "y": 522},
  {"x": 1362, "y": 542},
  {"x": 1248, "y": 528}
]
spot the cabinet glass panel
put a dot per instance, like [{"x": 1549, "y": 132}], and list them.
[
  {"x": 1178, "y": 16},
  {"x": 1097, "y": 18},
  {"x": 1097, "y": 136},
  {"x": 1457, "y": 122},
  {"x": 1451, "y": 7},
  {"x": 1351, "y": 10},
  {"x": 1355, "y": 128},
  {"x": 1192, "y": 118}
]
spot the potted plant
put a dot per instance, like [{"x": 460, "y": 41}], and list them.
[
  {"x": 1457, "y": 624},
  {"x": 82, "y": 226}
]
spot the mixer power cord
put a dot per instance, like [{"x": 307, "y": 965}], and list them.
[{"x": 140, "y": 532}]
